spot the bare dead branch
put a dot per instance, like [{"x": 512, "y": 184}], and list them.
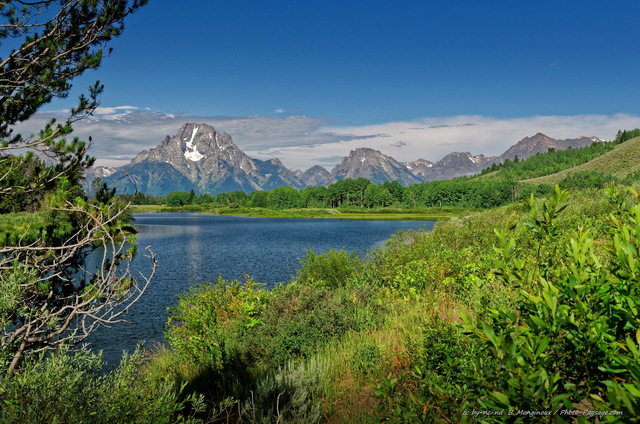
[{"x": 53, "y": 318}]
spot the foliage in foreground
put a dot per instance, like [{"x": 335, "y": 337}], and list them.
[
  {"x": 566, "y": 350},
  {"x": 228, "y": 334},
  {"x": 236, "y": 339},
  {"x": 575, "y": 330},
  {"x": 433, "y": 325},
  {"x": 49, "y": 296},
  {"x": 71, "y": 388}
]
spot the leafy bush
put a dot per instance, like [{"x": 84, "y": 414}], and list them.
[
  {"x": 207, "y": 331},
  {"x": 301, "y": 318},
  {"x": 331, "y": 269},
  {"x": 71, "y": 388},
  {"x": 571, "y": 339},
  {"x": 366, "y": 358},
  {"x": 224, "y": 337},
  {"x": 431, "y": 385}
]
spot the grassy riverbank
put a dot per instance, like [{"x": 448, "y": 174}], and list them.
[
  {"x": 435, "y": 324},
  {"x": 526, "y": 307},
  {"x": 398, "y": 214}
]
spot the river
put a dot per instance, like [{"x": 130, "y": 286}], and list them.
[{"x": 195, "y": 248}]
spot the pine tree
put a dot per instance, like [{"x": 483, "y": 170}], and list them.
[{"x": 49, "y": 296}]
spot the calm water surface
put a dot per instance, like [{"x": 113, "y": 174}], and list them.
[{"x": 194, "y": 248}]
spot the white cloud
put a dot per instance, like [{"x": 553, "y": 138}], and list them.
[
  {"x": 433, "y": 138},
  {"x": 114, "y": 110},
  {"x": 120, "y": 132}
]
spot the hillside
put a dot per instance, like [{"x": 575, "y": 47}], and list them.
[
  {"x": 545, "y": 163},
  {"x": 619, "y": 162}
]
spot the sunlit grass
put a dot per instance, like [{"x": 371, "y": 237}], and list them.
[{"x": 390, "y": 214}]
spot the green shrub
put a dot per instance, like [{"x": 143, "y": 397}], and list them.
[
  {"x": 365, "y": 360},
  {"x": 432, "y": 385},
  {"x": 290, "y": 394},
  {"x": 456, "y": 258},
  {"x": 70, "y": 388},
  {"x": 203, "y": 327},
  {"x": 208, "y": 331},
  {"x": 225, "y": 336},
  {"x": 331, "y": 269},
  {"x": 570, "y": 342},
  {"x": 301, "y": 318}
]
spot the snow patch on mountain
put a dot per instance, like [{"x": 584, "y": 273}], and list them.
[{"x": 192, "y": 152}]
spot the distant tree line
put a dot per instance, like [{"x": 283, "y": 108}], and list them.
[
  {"x": 360, "y": 193},
  {"x": 625, "y": 135}
]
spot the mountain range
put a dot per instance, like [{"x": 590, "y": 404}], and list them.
[{"x": 202, "y": 159}]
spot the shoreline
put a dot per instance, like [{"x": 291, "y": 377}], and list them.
[{"x": 389, "y": 214}]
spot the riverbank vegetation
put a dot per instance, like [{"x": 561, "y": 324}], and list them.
[
  {"x": 528, "y": 309},
  {"x": 352, "y": 195},
  {"x": 418, "y": 214},
  {"x": 538, "y": 315},
  {"x": 523, "y": 308}
]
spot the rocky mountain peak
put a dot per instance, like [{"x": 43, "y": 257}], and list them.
[
  {"x": 373, "y": 165},
  {"x": 315, "y": 176},
  {"x": 199, "y": 140},
  {"x": 363, "y": 156},
  {"x": 458, "y": 159},
  {"x": 419, "y": 168},
  {"x": 455, "y": 164},
  {"x": 200, "y": 158},
  {"x": 540, "y": 143},
  {"x": 196, "y": 150}
]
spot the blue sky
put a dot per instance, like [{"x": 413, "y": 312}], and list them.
[{"x": 309, "y": 81}]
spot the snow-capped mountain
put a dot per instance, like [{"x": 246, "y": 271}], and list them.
[
  {"x": 453, "y": 165},
  {"x": 202, "y": 159}
]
